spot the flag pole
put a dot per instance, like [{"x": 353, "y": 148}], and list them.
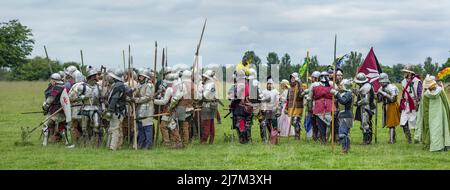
[{"x": 307, "y": 76}]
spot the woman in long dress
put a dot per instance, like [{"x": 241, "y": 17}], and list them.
[{"x": 284, "y": 121}]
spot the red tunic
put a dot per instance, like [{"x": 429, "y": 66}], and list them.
[{"x": 322, "y": 99}]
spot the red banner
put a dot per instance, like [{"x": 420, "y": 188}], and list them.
[{"x": 371, "y": 68}]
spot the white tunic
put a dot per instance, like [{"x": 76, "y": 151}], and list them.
[
  {"x": 270, "y": 100},
  {"x": 408, "y": 115}
]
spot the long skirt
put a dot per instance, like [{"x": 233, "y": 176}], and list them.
[
  {"x": 392, "y": 114},
  {"x": 284, "y": 122}
]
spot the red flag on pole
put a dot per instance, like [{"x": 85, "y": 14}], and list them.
[{"x": 371, "y": 68}]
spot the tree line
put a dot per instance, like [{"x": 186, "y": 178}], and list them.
[{"x": 16, "y": 44}]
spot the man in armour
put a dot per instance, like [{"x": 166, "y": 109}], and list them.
[
  {"x": 388, "y": 94},
  {"x": 143, "y": 98},
  {"x": 345, "y": 117},
  {"x": 365, "y": 106}
]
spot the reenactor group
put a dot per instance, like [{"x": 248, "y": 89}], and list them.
[
  {"x": 116, "y": 107},
  {"x": 107, "y": 106},
  {"x": 280, "y": 113}
]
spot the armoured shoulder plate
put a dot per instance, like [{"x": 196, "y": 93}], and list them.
[
  {"x": 391, "y": 90},
  {"x": 365, "y": 89}
]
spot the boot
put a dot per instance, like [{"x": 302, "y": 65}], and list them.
[
  {"x": 407, "y": 133},
  {"x": 364, "y": 138},
  {"x": 297, "y": 134},
  {"x": 66, "y": 139},
  {"x": 391, "y": 135},
  {"x": 369, "y": 138},
  {"x": 177, "y": 146},
  {"x": 45, "y": 141}
]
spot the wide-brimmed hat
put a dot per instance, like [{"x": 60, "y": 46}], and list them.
[
  {"x": 408, "y": 69},
  {"x": 296, "y": 76},
  {"x": 115, "y": 74},
  {"x": 285, "y": 83},
  {"x": 429, "y": 82}
]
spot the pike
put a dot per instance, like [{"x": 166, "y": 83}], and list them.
[
  {"x": 32, "y": 112},
  {"x": 156, "y": 131},
  {"x": 82, "y": 62},
  {"x": 162, "y": 74},
  {"x": 166, "y": 62},
  {"x": 163, "y": 69},
  {"x": 103, "y": 71},
  {"x": 48, "y": 60},
  {"x": 195, "y": 69},
  {"x": 129, "y": 82},
  {"x": 376, "y": 120},
  {"x": 154, "y": 63},
  {"x": 123, "y": 55},
  {"x": 103, "y": 97},
  {"x": 158, "y": 115},
  {"x": 163, "y": 58},
  {"x": 332, "y": 99},
  {"x": 26, "y": 133},
  {"x": 133, "y": 107}
]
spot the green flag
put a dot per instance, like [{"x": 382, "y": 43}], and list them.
[{"x": 304, "y": 67}]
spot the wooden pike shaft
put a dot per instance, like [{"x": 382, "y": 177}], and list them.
[
  {"x": 159, "y": 107},
  {"x": 129, "y": 63},
  {"x": 197, "y": 52},
  {"x": 333, "y": 99},
  {"x": 156, "y": 130},
  {"x": 123, "y": 56},
  {"x": 82, "y": 59},
  {"x": 133, "y": 106},
  {"x": 154, "y": 63},
  {"x": 129, "y": 82},
  {"x": 42, "y": 122},
  {"x": 48, "y": 60},
  {"x": 166, "y": 62}
]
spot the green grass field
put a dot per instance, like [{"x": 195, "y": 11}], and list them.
[{"x": 17, "y": 97}]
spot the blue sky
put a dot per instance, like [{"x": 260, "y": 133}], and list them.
[{"x": 400, "y": 31}]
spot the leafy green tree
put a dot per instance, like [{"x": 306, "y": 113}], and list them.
[
  {"x": 397, "y": 75},
  {"x": 388, "y": 70},
  {"x": 351, "y": 64},
  {"x": 418, "y": 69},
  {"x": 255, "y": 60},
  {"x": 15, "y": 44},
  {"x": 272, "y": 58},
  {"x": 429, "y": 67},
  {"x": 36, "y": 69},
  {"x": 285, "y": 66},
  {"x": 445, "y": 65},
  {"x": 313, "y": 64}
]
